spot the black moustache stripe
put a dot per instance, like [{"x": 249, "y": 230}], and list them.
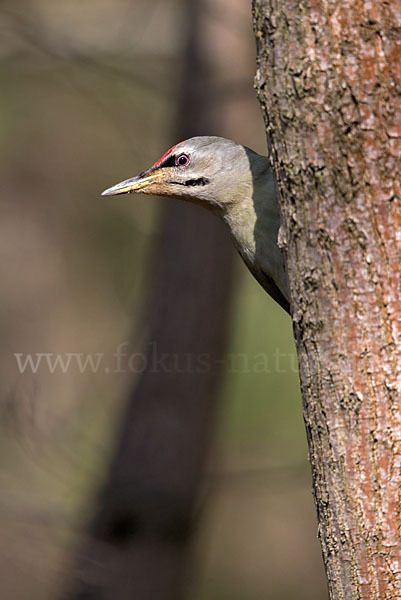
[{"x": 192, "y": 182}]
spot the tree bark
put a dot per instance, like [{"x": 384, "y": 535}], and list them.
[{"x": 329, "y": 83}]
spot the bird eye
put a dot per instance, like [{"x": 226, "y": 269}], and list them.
[{"x": 182, "y": 160}]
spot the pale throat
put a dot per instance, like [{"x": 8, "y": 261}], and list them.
[{"x": 253, "y": 218}]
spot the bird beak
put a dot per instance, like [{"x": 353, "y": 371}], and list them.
[{"x": 135, "y": 184}]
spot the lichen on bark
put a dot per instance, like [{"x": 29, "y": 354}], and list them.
[{"x": 329, "y": 83}]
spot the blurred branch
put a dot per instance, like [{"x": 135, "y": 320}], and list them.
[
  {"x": 117, "y": 65},
  {"x": 232, "y": 20},
  {"x": 141, "y": 531},
  {"x": 20, "y": 507},
  {"x": 36, "y": 35}
]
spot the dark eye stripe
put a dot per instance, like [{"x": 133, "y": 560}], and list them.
[
  {"x": 169, "y": 161},
  {"x": 157, "y": 163}
]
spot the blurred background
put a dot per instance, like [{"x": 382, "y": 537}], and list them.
[{"x": 93, "y": 93}]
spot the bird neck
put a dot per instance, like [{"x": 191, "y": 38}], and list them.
[{"x": 253, "y": 218}]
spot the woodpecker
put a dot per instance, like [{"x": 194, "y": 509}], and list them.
[{"x": 236, "y": 184}]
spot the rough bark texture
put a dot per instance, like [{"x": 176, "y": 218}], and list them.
[{"x": 329, "y": 81}]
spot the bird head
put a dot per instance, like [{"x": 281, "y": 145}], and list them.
[{"x": 206, "y": 170}]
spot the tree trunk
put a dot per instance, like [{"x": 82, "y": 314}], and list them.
[{"x": 329, "y": 84}]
